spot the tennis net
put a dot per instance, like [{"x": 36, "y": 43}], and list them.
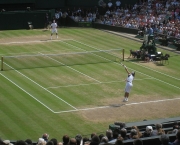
[{"x": 64, "y": 59}]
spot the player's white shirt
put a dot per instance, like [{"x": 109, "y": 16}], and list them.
[
  {"x": 130, "y": 78},
  {"x": 53, "y": 25}
]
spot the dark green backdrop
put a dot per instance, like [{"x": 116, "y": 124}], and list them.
[
  {"x": 20, "y": 19},
  {"x": 50, "y": 4}
]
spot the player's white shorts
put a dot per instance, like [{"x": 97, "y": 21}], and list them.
[
  {"x": 54, "y": 31},
  {"x": 128, "y": 87}
]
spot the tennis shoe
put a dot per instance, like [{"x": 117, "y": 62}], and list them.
[{"x": 124, "y": 100}]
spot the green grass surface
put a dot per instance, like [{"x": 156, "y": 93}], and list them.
[{"x": 40, "y": 95}]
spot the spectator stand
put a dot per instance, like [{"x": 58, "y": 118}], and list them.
[
  {"x": 167, "y": 125},
  {"x": 154, "y": 140},
  {"x": 84, "y": 17},
  {"x": 163, "y": 16}
]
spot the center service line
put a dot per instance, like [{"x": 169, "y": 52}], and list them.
[
  {"x": 70, "y": 67},
  {"x": 94, "y": 83}
]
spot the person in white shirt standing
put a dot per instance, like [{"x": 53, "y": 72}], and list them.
[
  {"x": 129, "y": 84},
  {"x": 54, "y": 29}
]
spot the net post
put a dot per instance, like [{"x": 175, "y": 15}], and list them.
[
  {"x": 123, "y": 54},
  {"x": 2, "y": 63}
]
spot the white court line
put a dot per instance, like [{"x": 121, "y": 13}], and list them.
[
  {"x": 156, "y": 101},
  {"x": 35, "y": 51},
  {"x": 135, "y": 63},
  {"x": 41, "y": 87},
  {"x": 27, "y": 53},
  {"x": 37, "y": 41},
  {"x": 91, "y": 84},
  {"x": 27, "y": 92},
  {"x": 118, "y": 105},
  {"x": 123, "y": 104},
  {"x": 71, "y": 68}
]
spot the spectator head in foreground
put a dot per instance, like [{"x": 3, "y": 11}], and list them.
[
  {"x": 65, "y": 139},
  {"x": 138, "y": 132},
  {"x": 104, "y": 139},
  {"x": 159, "y": 130},
  {"x": 109, "y": 134},
  {"x": 133, "y": 134},
  {"x": 101, "y": 136},
  {"x": 95, "y": 140},
  {"x": 49, "y": 143},
  {"x": 20, "y": 142},
  {"x": 123, "y": 133},
  {"x": 54, "y": 140},
  {"x": 138, "y": 142},
  {"x": 28, "y": 142},
  {"x": 148, "y": 131},
  {"x": 78, "y": 138},
  {"x": 119, "y": 142},
  {"x": 85, "y": 140},
  {"x": 41, "y": 141},
  {"x": 72, "y": 141},
  {"x": 177, "y": 141},
  {"x": 45, "y": 136},
  {"x": 92, "y": 134},
  {"x": 6, "y": 142},
  {"x": 164, "y": 139}
]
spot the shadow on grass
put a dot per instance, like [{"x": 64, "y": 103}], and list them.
[
  {"x": 116, "y": 105},
  {"x": 133, "y": 60},
  {"x": 157, "y": 63}
]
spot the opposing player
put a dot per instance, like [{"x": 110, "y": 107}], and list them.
[
  {"x": 129, "y": 83},
  {"x": 54, "y": 29}
]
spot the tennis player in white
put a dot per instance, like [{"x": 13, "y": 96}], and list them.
[
  {"x": 54, "y": 29},
  {"x": 129, "y": 83}
]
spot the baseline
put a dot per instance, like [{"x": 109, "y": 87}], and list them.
[
  {"x": 118, "y": 105},
  {"x": 35, "y": 41}
]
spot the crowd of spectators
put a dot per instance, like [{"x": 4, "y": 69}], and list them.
[
  {"x": 117, "y": 137},
  {"x": 78, "y": 14},
  {"x": 85, "y": 15},
  {"x": 162, "y": 15}
]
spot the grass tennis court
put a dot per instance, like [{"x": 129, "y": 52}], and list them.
[{"x": 71, "y": 86}]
